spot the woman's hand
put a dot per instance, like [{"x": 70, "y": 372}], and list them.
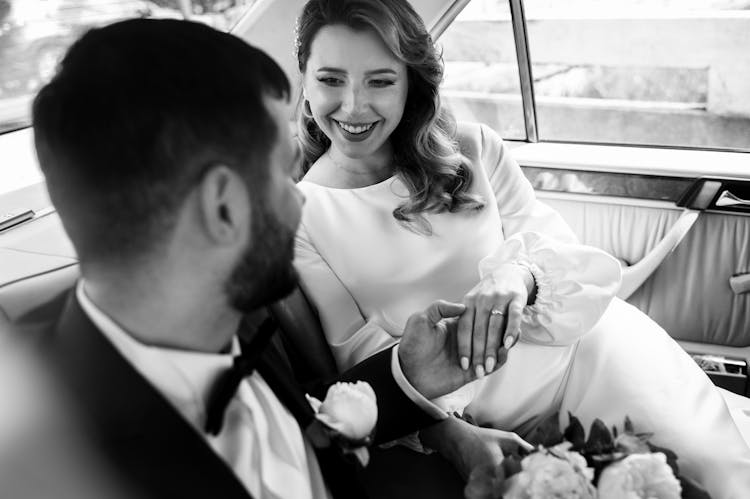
[
  {"x": 468, "y": 447},
  {"x": 492, "y": 319}
]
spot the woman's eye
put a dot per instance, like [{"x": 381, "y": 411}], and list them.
[
  {"x": 382, "y": 83},
  {"x": 330, "y": 81}
]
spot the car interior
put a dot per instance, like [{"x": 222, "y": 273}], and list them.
[{"x": 675, "y": 214}]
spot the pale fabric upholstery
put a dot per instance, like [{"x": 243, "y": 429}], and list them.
[{"x": 706, "y": 310}]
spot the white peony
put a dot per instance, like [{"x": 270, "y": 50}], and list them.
[
  {"x": 351, "y": 409},
  {"x": 575, "y": 459},
  {"x": 546, "y": 476},
  {"x": 639, "y": 476}
]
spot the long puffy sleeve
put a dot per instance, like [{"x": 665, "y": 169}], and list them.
[
  {"x": 575, "y": 283},
  {"x": 352, "y": 339}
]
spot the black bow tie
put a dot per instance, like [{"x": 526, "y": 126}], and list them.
[{"x": 243, "y": 365}]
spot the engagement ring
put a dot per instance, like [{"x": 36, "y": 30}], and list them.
[{"x": 495, "y": 311}]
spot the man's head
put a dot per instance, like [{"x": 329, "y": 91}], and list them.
[{"x": 159, "y": 138}]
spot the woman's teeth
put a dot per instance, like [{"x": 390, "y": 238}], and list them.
[{"x": 355, "y": 129}]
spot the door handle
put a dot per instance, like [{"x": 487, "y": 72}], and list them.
[{"x": 728, "y": 199}]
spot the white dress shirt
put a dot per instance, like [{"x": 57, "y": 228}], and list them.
[{"x": 261, "y": 441}]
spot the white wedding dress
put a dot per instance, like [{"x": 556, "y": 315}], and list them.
[{"x": 580, "y": 350}]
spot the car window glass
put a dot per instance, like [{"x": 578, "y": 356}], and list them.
[
  {"x": 34, "y": 35},
  {"x": 481, "y": 70},
  {"x": 652, "y": 72}
]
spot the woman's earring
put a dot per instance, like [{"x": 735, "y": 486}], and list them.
[{"x": 306, "y": 111}]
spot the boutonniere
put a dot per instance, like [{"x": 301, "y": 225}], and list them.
[{"x": 346, "y": 418}]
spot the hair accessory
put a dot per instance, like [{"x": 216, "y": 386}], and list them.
[{"x": 297, "y": 41}]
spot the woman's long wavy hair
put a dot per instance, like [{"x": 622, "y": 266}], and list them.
[{"x": 426, "y": 155}]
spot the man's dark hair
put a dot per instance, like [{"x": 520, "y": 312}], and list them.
[{"x": 136, "y": 114}]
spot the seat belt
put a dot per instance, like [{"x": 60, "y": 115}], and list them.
[{"x": 633, "y": 276}]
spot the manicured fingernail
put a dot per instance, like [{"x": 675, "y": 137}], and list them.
[
  {"x": 480, "y": 371},
  {"x": 489, "y": 364},
  {"x": 508, "y": 342},
  {"x": 465, "y": 363}
]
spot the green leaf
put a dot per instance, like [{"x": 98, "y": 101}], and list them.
[
  {"x": 600, "y": 439},
  {"x": 574, "y": 433},
  {"x": 547, "y": 433},
  {"x": 628, "y": 426}
]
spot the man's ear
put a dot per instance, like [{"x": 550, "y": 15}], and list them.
[{"x": 225, "y": 205}]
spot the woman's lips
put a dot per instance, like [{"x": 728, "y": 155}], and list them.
[{"x": 356, "y": 132}]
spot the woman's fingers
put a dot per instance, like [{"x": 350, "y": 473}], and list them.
[
  {"x": 479, "y": 341},
  {"x": 513, "y": 324},
  {"x": 496, "y": 323},
  {"x": 465, "y": 333}
]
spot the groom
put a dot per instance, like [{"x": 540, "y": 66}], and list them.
[{"x": 168, "y": 159}]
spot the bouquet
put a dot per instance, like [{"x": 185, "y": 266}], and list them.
[{"x": 605, "y": 465}]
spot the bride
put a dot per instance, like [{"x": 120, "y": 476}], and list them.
[{"x": 404, "y": 207}]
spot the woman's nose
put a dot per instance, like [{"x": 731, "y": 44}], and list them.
[{"x": 355, "y": 100}]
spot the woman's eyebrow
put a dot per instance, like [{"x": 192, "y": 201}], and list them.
[
  {"x": 328, "y": 69},
  {"x": 387, "y": 71}
]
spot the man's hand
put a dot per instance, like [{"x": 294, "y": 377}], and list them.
[
  {"x": 428, "y": 351},
  {"x": 481, "y": 446},
  {"x": 469, "y": 447}
]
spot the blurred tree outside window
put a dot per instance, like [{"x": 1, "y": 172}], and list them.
[{"x": 34, "y": 35}]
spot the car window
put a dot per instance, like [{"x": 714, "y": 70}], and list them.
[
  {"x": 34, "y": 34},
  {"x": 481, "y": 70},
  {"x": 642, "y": 72},
  {"x": 656, "y": 72}
]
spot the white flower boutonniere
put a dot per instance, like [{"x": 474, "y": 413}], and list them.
[{"x": 349, "y": 414}]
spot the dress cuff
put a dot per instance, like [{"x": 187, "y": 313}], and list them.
[{"x": 411, "y": 392}]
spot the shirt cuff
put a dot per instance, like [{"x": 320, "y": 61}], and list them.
[{"x": 411, "y": 392}]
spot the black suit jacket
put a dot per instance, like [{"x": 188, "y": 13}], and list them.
[{"x": 149, "y": 443}]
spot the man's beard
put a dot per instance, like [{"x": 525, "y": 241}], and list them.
[{"x": 265, "y": 272}]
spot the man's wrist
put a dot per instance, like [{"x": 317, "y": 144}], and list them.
[
  {"x": 414, "y": 394},
  {"x": 443, "y": 437}
]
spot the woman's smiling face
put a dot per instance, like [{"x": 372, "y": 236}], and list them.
[{"x": 356, "y": 88}]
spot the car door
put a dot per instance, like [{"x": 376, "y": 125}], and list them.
[{"x": 634, "y": 123}]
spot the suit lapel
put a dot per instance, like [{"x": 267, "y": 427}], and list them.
[
  {"x": 142, "y": 435},
  {"x": 341, "y": 473}
]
